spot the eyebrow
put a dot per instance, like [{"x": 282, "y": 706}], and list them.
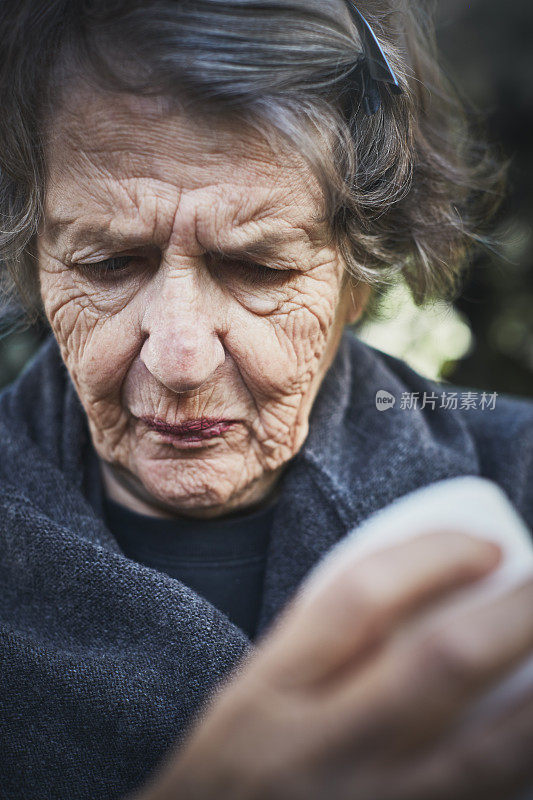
[{"x": 260, "y": 245}]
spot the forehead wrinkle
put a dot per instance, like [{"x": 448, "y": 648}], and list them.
[
  {"x": 249, "y": 183},
  {"x": 112, "y": 130},
  {"x": 247, "y": 217},
  {"x": 102, "y": 123},
  {"x": 227, "y": 216},
  {"x": 145, "y": 217},
  {"x": 256, "y": 236}
]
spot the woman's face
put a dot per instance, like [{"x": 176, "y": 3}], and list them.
[{"x": 186, "y": 277}]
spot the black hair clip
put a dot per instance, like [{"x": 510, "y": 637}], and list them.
[{"x": 374, "y": 66}]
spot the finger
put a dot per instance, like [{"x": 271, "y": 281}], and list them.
[
  {"x": 500, "y": 757},
  {"x": 418, "y": 688},
  {"x": 371, "y": 595},
  {"x": 492, "y": 761}
]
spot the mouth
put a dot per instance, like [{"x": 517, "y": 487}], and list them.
[{"x": 193, "y": 432}]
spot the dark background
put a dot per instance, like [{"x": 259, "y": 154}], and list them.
[
  {"x": 487, "y": 50},
  {"x": 487, "y": 47}
]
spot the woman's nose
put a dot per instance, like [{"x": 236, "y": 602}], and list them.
[{"x": 182, "y": 348}]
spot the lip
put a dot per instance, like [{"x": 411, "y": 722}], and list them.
[{"x": 192, "y": 431}]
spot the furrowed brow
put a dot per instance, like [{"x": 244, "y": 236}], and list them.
[
  {"x": 77, "y": 234},
  {"x": 258, "y": 249},
  {"x": 261, "y": 242}
]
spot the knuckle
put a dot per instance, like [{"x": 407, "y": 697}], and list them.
[{"x": 453, "y": 657}]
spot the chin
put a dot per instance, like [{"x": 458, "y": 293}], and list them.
[{"x": 187, "y": 486}]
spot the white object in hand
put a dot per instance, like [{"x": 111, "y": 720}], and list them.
[{"x": 468, "y": 504}]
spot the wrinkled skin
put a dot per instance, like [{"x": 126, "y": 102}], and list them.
[
  {"x": 353, "y": 693},
  {"x": 197, "y": 323}
]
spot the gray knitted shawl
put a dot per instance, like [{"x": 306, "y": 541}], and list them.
[{"x": 104, "y": 661}]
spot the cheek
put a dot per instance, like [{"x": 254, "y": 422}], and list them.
[
  {"x": 97, "y": 346},
  {"x": 282, "y": 352}
]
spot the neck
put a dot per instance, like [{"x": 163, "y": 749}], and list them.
[{"x": 123, "y": 488}]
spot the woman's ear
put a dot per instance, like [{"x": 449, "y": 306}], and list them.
[{"x": 357, "y": 297}]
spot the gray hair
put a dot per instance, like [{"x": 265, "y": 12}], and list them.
[{"x": 406, "y": 191}]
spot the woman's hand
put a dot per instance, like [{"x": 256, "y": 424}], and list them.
[{"x": 337, "y": 702}]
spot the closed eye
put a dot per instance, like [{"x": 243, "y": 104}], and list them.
[
  {"x": 102, "y": 269},
  {"x": 242, "y": 270},
  {"x": 249, "y": 272}
]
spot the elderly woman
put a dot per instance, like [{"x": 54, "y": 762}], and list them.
[{"x": 198, "y": 197}]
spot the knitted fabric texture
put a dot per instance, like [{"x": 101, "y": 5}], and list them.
[{"x": 105, "y": 661}]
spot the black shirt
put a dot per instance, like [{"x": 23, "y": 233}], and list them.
[{"x": 221, "y": 559}]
